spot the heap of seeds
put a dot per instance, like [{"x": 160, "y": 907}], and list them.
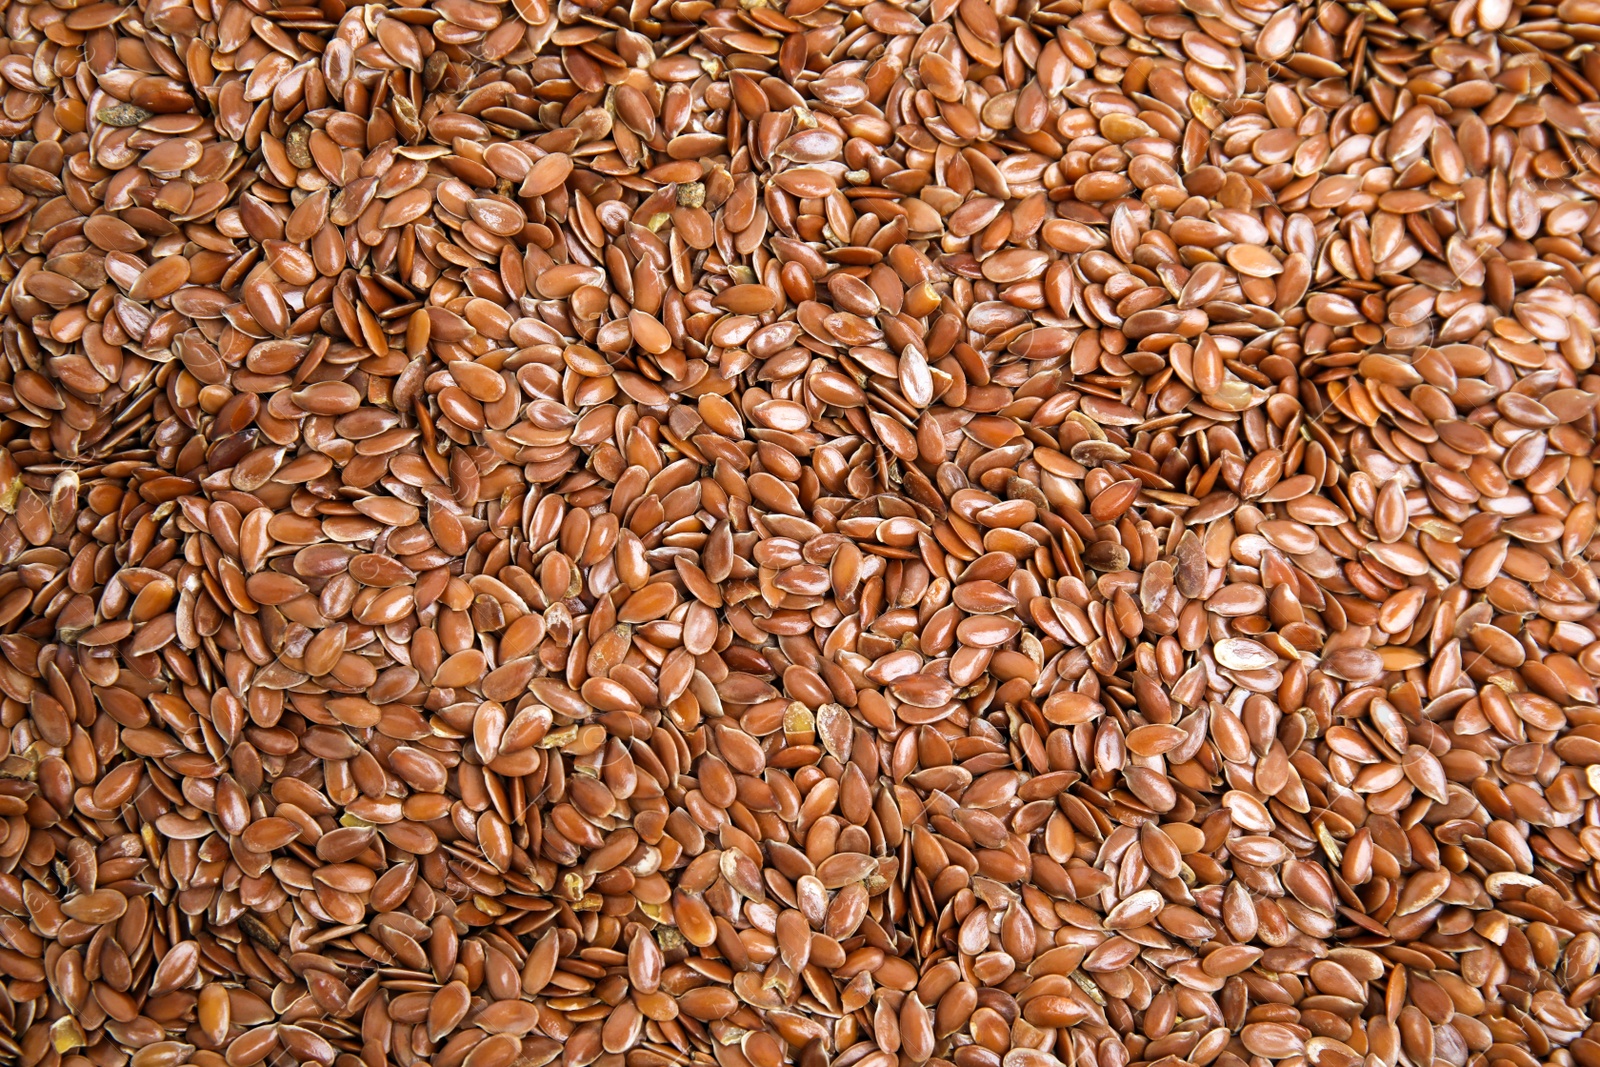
[{"x": 965, "y": 533}]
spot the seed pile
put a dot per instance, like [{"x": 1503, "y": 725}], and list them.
[{"x": 973, "y": 533}]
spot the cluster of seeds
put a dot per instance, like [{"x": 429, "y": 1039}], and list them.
[{"x": 745, "y": 533}]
